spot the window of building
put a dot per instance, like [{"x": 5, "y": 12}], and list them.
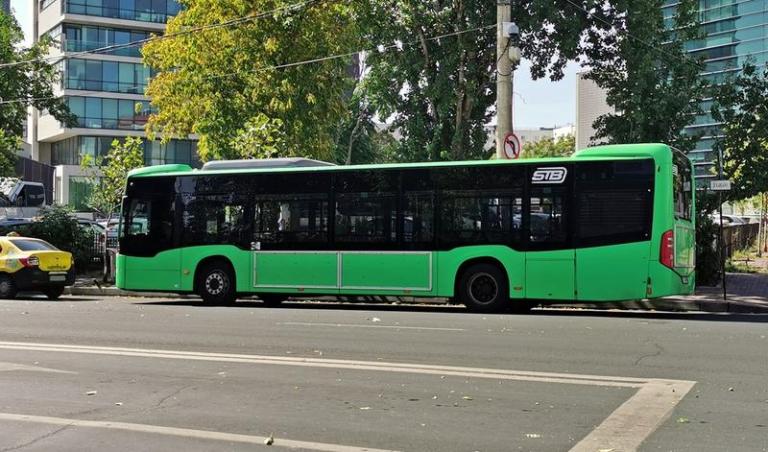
[
  {"x": 143, "y": 10},
  {"x": 101, "y": 113},
  {"x": 80, "y": 190}
]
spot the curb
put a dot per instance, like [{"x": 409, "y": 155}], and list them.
[{"x": 662, "y": 304}]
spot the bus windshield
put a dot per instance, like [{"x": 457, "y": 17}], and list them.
[{"x": 682, "y": 180}]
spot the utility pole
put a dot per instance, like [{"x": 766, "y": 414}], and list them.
[
  {"x": 507, "y": 57},
  {"x": 503, "y": 76}
]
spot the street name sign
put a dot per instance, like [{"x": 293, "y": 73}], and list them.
[{"x": 720, "y": 185}]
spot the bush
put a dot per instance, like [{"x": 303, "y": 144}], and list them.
[
  {"x": 708, "y": 267},
  {"x": 57, "y": 226}
]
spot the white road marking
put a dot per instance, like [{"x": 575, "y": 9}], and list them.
[
  {"x": 628, "y": 426},
  {"x": 355, "y": 325},
  {"x": 185, "y": 432},
  {"x": 11, "y": 367},
  {"x": 624, "y": 430}
]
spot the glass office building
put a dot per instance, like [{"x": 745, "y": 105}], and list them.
[
  {"x": 736, "y": 31},
  {"x": 105, "y": 90}
]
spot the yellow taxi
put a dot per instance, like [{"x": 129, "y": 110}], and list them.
[{"x": 28, "y": 264}]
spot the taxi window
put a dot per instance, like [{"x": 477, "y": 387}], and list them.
[{"x": 33, "y": 245}]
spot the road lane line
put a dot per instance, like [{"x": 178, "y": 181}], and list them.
[
  {"x": 12, "y": 367},
  {"x": 356, "y": 325},
  {"x": 546, "y": 377},
  {"x": 185, "y": 432},
  {"x": 624, "y": 430},
  {"x": 637, "y": 418}
]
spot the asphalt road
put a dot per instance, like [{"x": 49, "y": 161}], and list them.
[{"x": 129, "y": 374}]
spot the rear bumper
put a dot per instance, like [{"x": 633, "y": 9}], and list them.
[{"x": 34, "y": 278}]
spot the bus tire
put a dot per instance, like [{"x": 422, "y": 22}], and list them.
[
  {"x": 272, "y": 300},
  {"x": 7, "y": 287},
  {"x": 483, "y": 288},
  {"x": 216, "y": 284}
]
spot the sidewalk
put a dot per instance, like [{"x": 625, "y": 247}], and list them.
[{"x": 747, "y": 293}]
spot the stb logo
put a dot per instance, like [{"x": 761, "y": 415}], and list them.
[{"x": 549, "y": 175}]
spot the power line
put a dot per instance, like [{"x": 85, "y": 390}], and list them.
[
  {"x": 110, "y": 48},
  {"x": 379, "y": 48},
  {"x": 650, "y": 46}
]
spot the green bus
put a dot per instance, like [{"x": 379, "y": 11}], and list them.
[{"x": 609, "y": 223}]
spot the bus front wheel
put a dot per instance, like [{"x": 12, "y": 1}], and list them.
[
  {"x": 483, "y": 288},
  {"x": 216, "y": 284}
]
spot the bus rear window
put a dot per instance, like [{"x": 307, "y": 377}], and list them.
[{"x": 682, "y": 179}]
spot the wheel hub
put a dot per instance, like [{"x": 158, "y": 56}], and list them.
[
  {"x": 483, "y": 288},
  {"x": 215, "y": 283}
]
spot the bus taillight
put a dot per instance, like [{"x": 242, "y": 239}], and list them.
[{"x": 667, "y": 253}]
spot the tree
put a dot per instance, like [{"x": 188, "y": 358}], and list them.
[
  {"x": 653, "y": 86},
  {"x": 740, "y": 105},
  {"x": 549, "y": 147},
  {"x": 222, "y": 84},
  {"x": 23, "y": 85},
  {"x": 109, "y": 174},
  {"x": 440, "y": 92}
]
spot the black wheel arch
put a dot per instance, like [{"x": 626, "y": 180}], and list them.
[
  {"x": 479, "y": 260},
  {"x": 210, "y": 260}
]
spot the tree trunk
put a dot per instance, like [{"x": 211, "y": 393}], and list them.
[
  {"x": 353, "y": 136},
  {"x": 107, "y": 267}
]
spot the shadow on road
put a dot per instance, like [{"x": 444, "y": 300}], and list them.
[{"x": 458, "y": 309}]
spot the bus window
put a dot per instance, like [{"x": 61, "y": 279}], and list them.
[
  {"x": 614, "y": 202},
  {"x": 148, "y": 225},
  {"x": 293, "y": 221},
  {"x": 213, "y": 219},
  {"x": 366, "y": 208},
  {"x": 546, "y": 215}
]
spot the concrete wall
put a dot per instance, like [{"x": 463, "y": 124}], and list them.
[{"x": 590, "y": 104}]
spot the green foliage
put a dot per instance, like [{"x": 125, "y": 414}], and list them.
[
  {"x": 441, "y": 93},
  {"x": 111, "y": 172},
  {"x": 651, "y": 83},
  {"x": 359, "y": 141},
  {"x": 58, "y": 226},
  {"x": 214, "y": 82},
  {"x": 9, "y": 147},
  {"x": 741, "y": 105},
  {"x": 549, "y": 147},
  {"x": 260, "y": 138},
  {"x": 26, "y": 85}
]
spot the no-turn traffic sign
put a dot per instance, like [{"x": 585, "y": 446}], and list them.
[{"x": 512, "y": 146}]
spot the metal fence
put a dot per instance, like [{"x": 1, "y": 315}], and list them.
[{"x": 739, "y": 237}]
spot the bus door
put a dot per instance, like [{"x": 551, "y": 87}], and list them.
[
  {"x": 549, "y": 261},
  {"x": 146, "y": 230},
  {"x": 289, "y": 244}
]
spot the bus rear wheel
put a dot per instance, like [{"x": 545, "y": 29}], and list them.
[
  {"x": 216, "y": 284},
  {"x": 483, "y": 288}
]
